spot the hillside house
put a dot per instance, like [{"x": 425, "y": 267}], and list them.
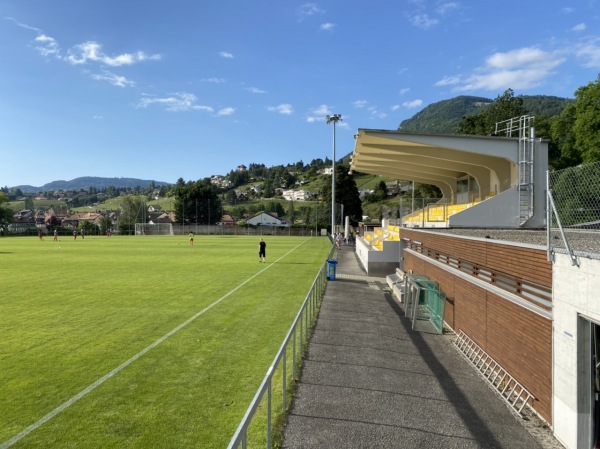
[
  {"x": 226, "y": 220},
  {"x": 55, "y": 215},
  {"x": 73, "y": 221},
  {"x": 265, "y": 219},
  {"x": 296, "y": 195}
]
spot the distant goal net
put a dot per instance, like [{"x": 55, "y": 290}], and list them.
[{"x": 154, "y": 229}]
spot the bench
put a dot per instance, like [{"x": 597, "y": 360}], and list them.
[
  {"x": 396, "y": 283},
  {"x": 395, "y": 278}
]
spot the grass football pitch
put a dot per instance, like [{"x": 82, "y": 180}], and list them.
[{"x": 142, "y": 342}]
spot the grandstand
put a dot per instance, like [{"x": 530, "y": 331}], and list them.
[
  {"x": 516, "y": 286},
  {"x": 495, "y": 182}
]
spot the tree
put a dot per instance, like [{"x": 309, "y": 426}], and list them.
[
  {"x": 231, "y": 197},
  {"x": 504, "y": 107},
  {"x": 105, "y": 224},
  {"x": 28, "y": 203},
  {"x": 380, "y": 192},
  {"x": 575, "y": 133},
  {"x": 5, "y": 212},
  {"x": 89, "y": 227},
  {"x": 268, "y": 191},
  {"x": 133, "y": 210},
  {"x": 291, "y": 212},
  {"x": 587, "y": 121},
  {"x": 563, "y": 150},
  {"x": 196, "y": 202},
  {"x": 427, "y": 191},
  {"x": 346, "y": 193}
]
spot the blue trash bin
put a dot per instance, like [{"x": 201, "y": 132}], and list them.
[{"x": 331, "y": 264}]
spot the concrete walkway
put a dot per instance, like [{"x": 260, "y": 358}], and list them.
[{"x": 369, "y": 381}]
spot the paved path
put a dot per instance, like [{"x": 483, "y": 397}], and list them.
[{"x": 369, "y": 381}]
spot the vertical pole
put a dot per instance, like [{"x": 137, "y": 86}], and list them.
[
  {"x": 269, "y": 394},
  {"x": 412, "y": 210},
  {"x": 294, "y": 354},
  {"x": 333, "y": 118},
  {"x": 548, "y": 218},
  {"x": 284, "y": 380},
  {"x": 333, "y": 186}
]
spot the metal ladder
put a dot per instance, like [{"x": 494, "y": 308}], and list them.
[
  {"x": 515, "y": 394},
  {"x": 524, "y": 127}
]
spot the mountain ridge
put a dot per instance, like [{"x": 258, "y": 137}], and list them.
[{"x": 85, "y": 182}]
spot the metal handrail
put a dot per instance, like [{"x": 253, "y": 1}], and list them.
[
  {"x": 307, "y": 312},
  {"x": 526, "y": 289}
]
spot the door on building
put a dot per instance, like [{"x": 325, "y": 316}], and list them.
[{"x": 595, "y": 340}]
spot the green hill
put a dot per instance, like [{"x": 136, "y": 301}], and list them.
[
  {"x": 85, "y": 182},
  {"x": 444, "y": 116}
]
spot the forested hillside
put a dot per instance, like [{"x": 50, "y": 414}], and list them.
[{"x": 444, "y": 117}]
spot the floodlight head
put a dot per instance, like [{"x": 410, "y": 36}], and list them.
[{"x": 333, "y": 118}]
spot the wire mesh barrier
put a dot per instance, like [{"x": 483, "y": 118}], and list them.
[
  {"x": 262, "y": 422},
  {"x": 573, "y": 211}
]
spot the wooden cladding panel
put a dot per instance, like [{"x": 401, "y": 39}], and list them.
[
  {"x": 527, "y": 263},
  {"x": 518, "y": 339},
  {"x": 470, "y": 311},
  {"x": 521, "y": 341}
]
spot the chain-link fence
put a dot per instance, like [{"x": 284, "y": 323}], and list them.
[{"x": 574, "y": 210}]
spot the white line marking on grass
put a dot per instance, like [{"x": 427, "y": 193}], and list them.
[{"x": 18, "y": 437}]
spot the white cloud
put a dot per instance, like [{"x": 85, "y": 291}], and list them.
[
  {"x": 527, "y": 56},
  {"x": 327, "y": 26},
  {"x": 567, "y": 10},
  {"x": 446, "y": 7},
  {"x": 225, "y": 111},
  {"x": 404, "y": 90},
  {"x": 88, "y": 52},
  {"x": 579, "y": 27},
  {"x": 115, "y": 80},
  {"x": 47, "y": 46},
  {"x": 92, "y": 51},
  {"x": 256, "y": 90},
  {"x": 523, "y": 68},
  {"x": 376, "y": 112},
  {"x": 22, "y": 25},
  {"x": 412, "y": 104},
  {"x": 307, "y": 10},
  {"x": 318, "y": 114},
  {"x": 448, "y": 81},
  {"x": 213, "y": 80},
  {"x": 589, "y": 54},
  {"x": 226, "y": 55},
  {"x": 360, "y": 103},
  {"x": 178, "y": 102},
  {"x": 423, "y": 21},
  {"x": 395, "y": 107},
  {"x": 285, "y": 109}
]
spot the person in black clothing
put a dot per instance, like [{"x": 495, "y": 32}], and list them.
[{"x": 262, "y": 251}]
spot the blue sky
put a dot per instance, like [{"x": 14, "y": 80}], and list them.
[{"x": 192, "y": 88}]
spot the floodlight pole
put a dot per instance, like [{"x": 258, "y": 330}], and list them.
[{"x": 333, "y": 118}]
